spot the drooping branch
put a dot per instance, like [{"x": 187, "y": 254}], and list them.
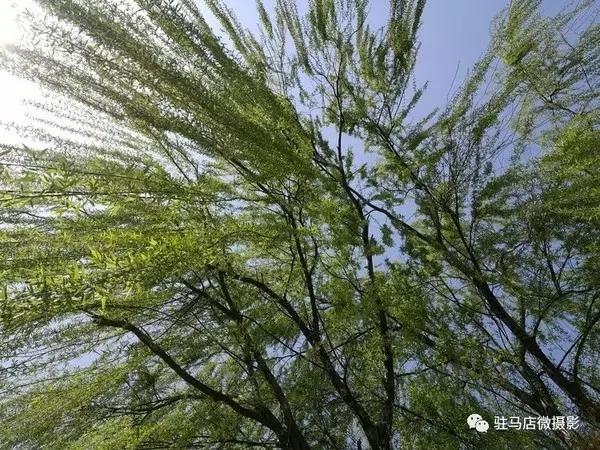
[
  {"x": 263, "y": 416},
  {"x": 370, "y": 428}
]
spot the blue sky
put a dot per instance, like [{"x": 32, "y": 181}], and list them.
[{"x": 454, "y": 34}]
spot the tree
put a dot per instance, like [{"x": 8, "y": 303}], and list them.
[{"x": 195, "y": 259}]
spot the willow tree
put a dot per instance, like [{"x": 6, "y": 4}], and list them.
[{"x": 195, "y": 257}]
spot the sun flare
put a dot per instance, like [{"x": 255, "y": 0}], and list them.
[
  {"x": 12, "y": 89},
  {"x": 9, "y": 29}
]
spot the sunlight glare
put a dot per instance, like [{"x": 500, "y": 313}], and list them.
[
  {"x": 12, "y": 89},
  {"x": 9, "y": 29}
]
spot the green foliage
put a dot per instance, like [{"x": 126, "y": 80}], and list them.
[{"x": 193, "y": 256}]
